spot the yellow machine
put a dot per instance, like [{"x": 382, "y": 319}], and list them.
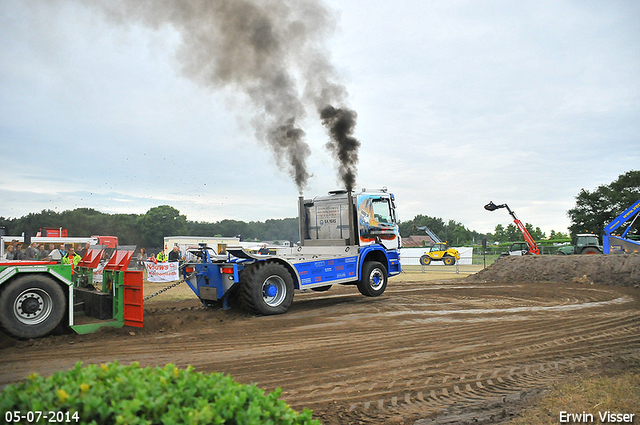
[{"x": 440, "y": 252}]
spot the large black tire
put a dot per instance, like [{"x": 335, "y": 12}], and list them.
[
  {"x": 31, "y": 306},
  {"x": 266, "y": 288},
  {"x": 374, "y": 278},
  {"x": 448, "y": 260},
  {"x": 590, "y": 251},
  {"x": 425, "y": 260}
]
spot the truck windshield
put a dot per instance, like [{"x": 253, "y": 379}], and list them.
[{"x": 381, "y": 211}]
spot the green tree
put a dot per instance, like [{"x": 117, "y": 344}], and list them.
[
  {"x": 159, "y": 222},
  {"x": 499, "y": 234},
  {"x": 594, "y": 210}
]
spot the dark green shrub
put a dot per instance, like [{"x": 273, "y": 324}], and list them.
[{"x": 114, "y": 394}]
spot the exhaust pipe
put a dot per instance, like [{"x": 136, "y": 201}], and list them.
[
  {"x": 353, "y": 228},
  {"x": 302, "y": 218}
]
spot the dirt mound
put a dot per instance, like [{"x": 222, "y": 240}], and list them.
[{"x": 620, "y": 270}]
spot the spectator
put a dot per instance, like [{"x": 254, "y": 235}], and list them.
[
  {"x": 142, "y": 256},
  {"x": 71, "y": 258},
  {"x": 161, "y": 257},
  {"x": 174, "y": 255},
  {"x": 54, "y": 254},
  {"x": 19, "y": 254},
  {"x": 84, "y": 250},
  {"x": 8, "y": 255},
  {"x": 263, "y": 250},
  {"x": 31, "y": 252},
  {"x": 42, "y": 252}
]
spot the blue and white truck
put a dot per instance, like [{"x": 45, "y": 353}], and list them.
[{"x": 345, "y": 238}]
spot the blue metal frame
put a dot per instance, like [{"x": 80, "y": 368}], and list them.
[{"x": 614, "y": 225}]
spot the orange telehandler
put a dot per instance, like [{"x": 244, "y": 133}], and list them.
[{"x": 532, "y": 247}]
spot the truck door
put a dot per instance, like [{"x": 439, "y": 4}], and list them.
[{"x": 376, "y": 221}]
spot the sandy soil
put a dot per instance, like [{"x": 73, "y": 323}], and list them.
[{"x": 463, "y": 348}]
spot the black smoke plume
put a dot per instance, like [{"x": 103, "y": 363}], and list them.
[
  {"x": 272, "y": 50},
  {"x": 340, "y": 122}
]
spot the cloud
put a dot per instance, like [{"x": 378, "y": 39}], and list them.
[{"x": 458, "y": 104}]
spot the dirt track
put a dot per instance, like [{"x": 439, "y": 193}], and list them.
[{"x": 431, "y": 352}]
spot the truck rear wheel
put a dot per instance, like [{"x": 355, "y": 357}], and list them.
[
  {"x": 266, "y": 288},
  {"x": 449, "y": 261},
  {"x": 373, "y": 281},
  {"x": 425, "y": 260},
  {"x": 590, "y": 251},
  {"x": 31, "y": 306}
]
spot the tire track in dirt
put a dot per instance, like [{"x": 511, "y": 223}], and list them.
[
  {"x": 360, "y": 388},
  {"x": 417, "y": 349}
]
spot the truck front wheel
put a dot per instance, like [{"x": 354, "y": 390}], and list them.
[
  {"x": 590, "y": 251},
  {"x": 425, "y": 260},
  {"x": 266, "y": 288},
  {"x": 449, "y": 261},
  {"x": 31, "y": 306},
  {"x": 373, "y": 281}
]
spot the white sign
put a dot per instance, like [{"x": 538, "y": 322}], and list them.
[{"x": 162, "y": 272}]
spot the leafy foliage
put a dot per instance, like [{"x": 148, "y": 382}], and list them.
[
  {"x": 512, "y": 234},
  {"x": 594, "y": 210},
  {"x": 115, "y": 394},
  {"x": 159, "y": 222}
]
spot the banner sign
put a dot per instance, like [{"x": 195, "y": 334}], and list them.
[{"x": 162, "y": 272}]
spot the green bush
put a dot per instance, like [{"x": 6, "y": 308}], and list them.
[{"x": 114, "y": 394}]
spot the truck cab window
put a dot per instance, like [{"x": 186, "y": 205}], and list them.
[{"x": 381, "y": 211}]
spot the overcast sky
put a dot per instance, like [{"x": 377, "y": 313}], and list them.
[{"x": 458, "y": 102}]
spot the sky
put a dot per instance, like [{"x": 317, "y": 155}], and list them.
[{"x": 458, "y": 103}]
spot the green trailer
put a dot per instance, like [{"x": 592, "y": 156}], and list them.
[{"x": 37, "y": 297}]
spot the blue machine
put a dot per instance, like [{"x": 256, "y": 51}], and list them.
[
  {"x": 344, "y": 239},
  {"x": 619, "y": 244}
]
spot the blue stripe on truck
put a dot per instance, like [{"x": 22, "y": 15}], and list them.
[{"x": 313, "y": 272}]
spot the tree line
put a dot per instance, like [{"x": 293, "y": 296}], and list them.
[
  {"x": 150, "y": 228},
  {"x": 593, "y": 210}
]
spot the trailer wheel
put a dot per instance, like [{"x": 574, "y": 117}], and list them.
[
  {"x": 266, "y": 288},
  {"x": 449, "y": 261},
  {"x": 373, "y": 281},
  {"x": 425, "y": 260},
  {"x": 32, "y": 306}
]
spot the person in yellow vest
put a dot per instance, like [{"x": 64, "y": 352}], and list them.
[
  {"x": 161, "y": 257},
  {"x": 71, "y": 258}
]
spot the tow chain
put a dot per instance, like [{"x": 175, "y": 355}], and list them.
[{"x": 173, "y": 285}]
